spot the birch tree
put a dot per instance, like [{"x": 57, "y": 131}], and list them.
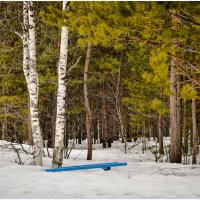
[
  {"x": 25, "y": 43},
  {"x": 61, "y": 96},
  {"x": 29, "y": 68}
]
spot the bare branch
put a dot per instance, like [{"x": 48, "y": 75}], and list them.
[
  {"x": 18, "y": 34},
  {"x": 74, "y": 66}
]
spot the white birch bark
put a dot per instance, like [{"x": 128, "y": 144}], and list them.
[
  {"x": 61, "y": 96},
  {"x": 33, "y": 85},
  {"x": 25, "y": 39}
]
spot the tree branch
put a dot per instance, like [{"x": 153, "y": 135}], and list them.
[
  {"x": 74, "y": 66},
  {"x": 187, "y": 61},
  {"x": 18, "y": 34},
  {"x": 188, "y": 75}
]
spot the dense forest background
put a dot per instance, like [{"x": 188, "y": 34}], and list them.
[{"x": 143, "y": 76}]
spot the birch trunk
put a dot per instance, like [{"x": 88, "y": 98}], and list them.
[
  {"x": 33, "y": 86},
  {"x": 175, "y": 146},
  {"x": 87, "y": 105},
  {"x": 61, "y": 96},
  {"x": 25, "y": 40}
]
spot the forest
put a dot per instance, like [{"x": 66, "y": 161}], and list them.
[{"x": 101, "y": 72}]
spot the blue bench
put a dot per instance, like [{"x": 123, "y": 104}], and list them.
[{"x": 105, "y": 166}]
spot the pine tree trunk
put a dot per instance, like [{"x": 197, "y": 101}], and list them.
[
  {"x": 191, "y": 141},
  {"x": 87, "y": 105},
  {"x": 194, "y": 128},
  {"x": 160, "y": 135},
  {"x": 179, "y": 114},
  {"x": 175, "y": 146},
  {"x": 61, "y": 97},
  {"x": 103, "y": 121},
  {"x": 29, "y": 68},
  {"x": 3, "y": 131},
  {"x": 129, "y": 139},
  {"x": 110, "y": 130},
  {"x": 119, "y": 110},
  {"x": 185, "y": 133}
]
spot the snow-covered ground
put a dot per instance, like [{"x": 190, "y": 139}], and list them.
[{"x": 142, "y": 178}]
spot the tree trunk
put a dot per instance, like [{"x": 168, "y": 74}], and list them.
[
  {"x": 29, "y": 68},
  {"x": 119, "y": 112},
  {"x": 3, "y": 131},
  {"x": 175, "y": 146},
  {"x": 110, "y": 130},
  {"x": 179, "y": 113},
  {"x": 30, "y": 136},
  {"x": 194, "y": 128},
  {"x": 26, "y": 68},
  {"x": 129, "y": 139},
  {"x": 160, "y": 135},
  {"x": 95, "y": 128},
  {"x": 79, "y": 134},
  {"x": 61, "y": 99},
  {"x": 87, "y": 105},
  {"x": 103, "y": 116},
  {"x": 185, "y": 133},
  {"x": 4, "y": 124}
]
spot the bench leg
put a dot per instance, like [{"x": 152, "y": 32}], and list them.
[{"x": 106, "y": 169}]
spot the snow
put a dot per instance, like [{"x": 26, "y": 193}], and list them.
[{"x": 142, "y": 178}]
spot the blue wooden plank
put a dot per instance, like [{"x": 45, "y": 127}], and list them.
[
  {"x": 77, "y": 166},
  {"x": 82, "y": 167},
  {"x": 105, "y": 166}
]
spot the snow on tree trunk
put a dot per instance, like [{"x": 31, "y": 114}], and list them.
[
  {"x": 175, "y": 146},
  {"x": 61, "y": 96},
  {"x": 33, "y": 85},
  {"x": 87, "y": 106}
]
